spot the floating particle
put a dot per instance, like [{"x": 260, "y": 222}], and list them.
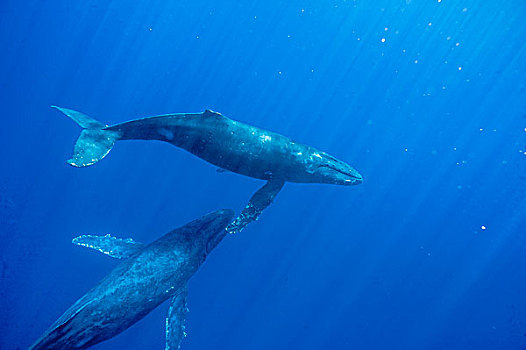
[
  {"x": 465, "y": 9},
  {"x": 382, "y": 40},
  {"x": 459, "y": 68},
  {"x": 386, "y": 29},
  {"x": 482, "y": 227},
  {"x": 416, "y": 61},
  {"x": 430, "y": 24}
]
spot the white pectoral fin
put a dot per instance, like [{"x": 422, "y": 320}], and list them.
[
  {"x": 258, "y": 202},
  {"x": 175, "y": 321},
  {"x": 115, "y": 247}
]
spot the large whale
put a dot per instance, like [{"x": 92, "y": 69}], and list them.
[
  {"x": 149, "y": 275},
  {"x": 226, "y": 143}
]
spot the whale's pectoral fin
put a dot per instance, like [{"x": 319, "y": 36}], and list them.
[
  {"x": 175, "y": 328},
  {"x": 259, "y": 201},
  {"x": 94, "y": 142},
  {"x": 115, "y": 247}
]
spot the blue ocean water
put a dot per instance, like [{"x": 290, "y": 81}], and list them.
[{"x": 427, "y": 99}]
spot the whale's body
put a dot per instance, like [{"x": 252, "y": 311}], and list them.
[
  {"x": 226, "y": 143},
  {"x": 149, "y": 275},
  {"x": 234, "y": 146}
]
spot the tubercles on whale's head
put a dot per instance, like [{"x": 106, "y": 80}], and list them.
[{"x": 327, "y": 169}]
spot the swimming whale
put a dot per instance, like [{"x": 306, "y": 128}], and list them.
[
  {"x": 226, "y": 143},
  {"x": 149, "y": 275}
]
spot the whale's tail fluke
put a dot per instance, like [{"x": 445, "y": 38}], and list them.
[{"x": 94, "y": 142}]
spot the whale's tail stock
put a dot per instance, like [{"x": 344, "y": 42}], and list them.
[{"x": 94, "y": 142}]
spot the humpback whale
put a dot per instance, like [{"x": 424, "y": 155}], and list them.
[
  {"x": 226, "y": 143},
  {"x": 148, "y": 275}
]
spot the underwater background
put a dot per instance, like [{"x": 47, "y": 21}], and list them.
[{"x": 426, "y": 99}]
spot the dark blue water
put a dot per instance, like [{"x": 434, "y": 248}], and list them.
[{"x": 428, "y": 253}]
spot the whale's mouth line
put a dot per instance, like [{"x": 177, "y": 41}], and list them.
[
  {"x": 354, "y": 177},
  {"x": 213, "y": 241},
  {"x": 209, "y": 245}
]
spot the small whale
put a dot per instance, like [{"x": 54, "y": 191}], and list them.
[
  {"x": 225, "y": 143},
  {"x": 149, "y": 275}
]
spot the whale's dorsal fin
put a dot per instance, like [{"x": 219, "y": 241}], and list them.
[
  {"x": 211, "y": 114},
  {"x": 175, "y": 328},
  {"x": 115, "y": 247}
]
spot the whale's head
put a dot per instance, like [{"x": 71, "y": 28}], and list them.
[
  {"x": 216, "y": 230},
  {"x": 327, "y": 169},
  {"x": 201, "y": 236}
]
